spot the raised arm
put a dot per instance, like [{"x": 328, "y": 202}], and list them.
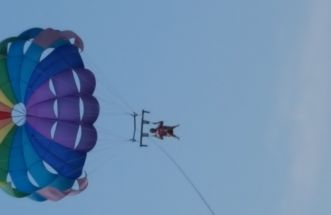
[{"x": 160, "y": 123}]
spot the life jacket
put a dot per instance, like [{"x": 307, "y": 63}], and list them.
[{"x": 162, "y": 131}]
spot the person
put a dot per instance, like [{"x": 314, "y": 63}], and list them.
[{"x": 163, "y": 130}]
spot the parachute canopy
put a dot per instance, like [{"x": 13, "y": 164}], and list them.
[{"x": 47, "y": 111}]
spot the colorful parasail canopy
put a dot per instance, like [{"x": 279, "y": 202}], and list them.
[{"x": 47, "y": 111}]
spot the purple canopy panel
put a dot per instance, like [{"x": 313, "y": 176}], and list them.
[
  {"x": 43, "y": 110},
  {"x": 43, "y": 126},
  {"x": 87, "y": 81},
  {"x": 43, "y": 93},
  {"x": 88, "y": 138},
  {"x": 65, "y": 84}
]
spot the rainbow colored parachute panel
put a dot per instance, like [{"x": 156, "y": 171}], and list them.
[{"x": 47, "y": 111}]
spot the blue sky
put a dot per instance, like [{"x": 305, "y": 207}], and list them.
[{"x": 247, "y": 80}]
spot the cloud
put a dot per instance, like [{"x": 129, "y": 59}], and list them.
[{"x": 310, "y": 116}]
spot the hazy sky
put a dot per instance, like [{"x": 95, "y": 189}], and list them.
[{"x": 248, "y": 81}]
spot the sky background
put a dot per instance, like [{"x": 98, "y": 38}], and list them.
[{"x": 248, "y": 81}]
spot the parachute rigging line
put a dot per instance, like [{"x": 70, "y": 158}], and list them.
[
  {"x": 112, "y": 90},
  {"x": 181, "y": 170}
]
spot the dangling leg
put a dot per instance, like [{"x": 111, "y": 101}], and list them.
[
  {"x": 171, "y": 134},
  {"x": 175, "y": 126},
  {"x": 175, "y": 136}
]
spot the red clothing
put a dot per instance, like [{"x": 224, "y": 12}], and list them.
[{"x": 163, "y": 132}]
